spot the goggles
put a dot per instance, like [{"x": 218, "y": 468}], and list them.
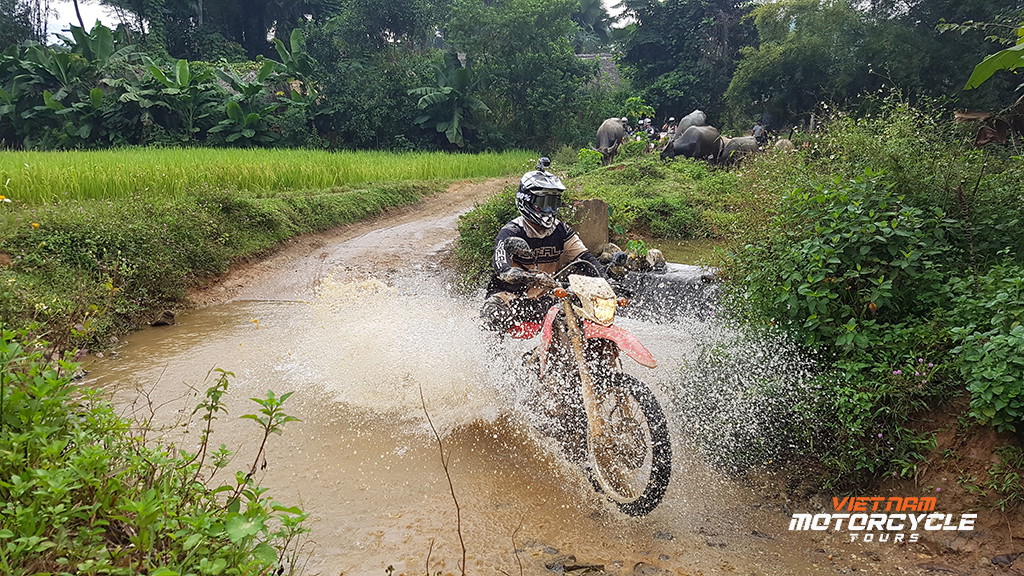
[{"x": 547, "y": 201}]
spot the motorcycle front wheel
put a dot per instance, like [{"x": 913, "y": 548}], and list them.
[{"x": 631, "y": 462}]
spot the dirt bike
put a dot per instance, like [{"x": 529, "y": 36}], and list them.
[{"x": 606, "y": 420}]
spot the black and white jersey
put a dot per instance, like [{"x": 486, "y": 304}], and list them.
[{"x": 551, "y": 252}]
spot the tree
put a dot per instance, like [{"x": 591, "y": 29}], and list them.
[
  {"x": 808, "y": 54},
  {"x": 175, "y": 24},
  {"x": 595, "y": 26},
  {"x": 681, "y": 53},
  {"x": 923, "y": 50},
  {"x": 15, "y": 22},
  {"x": 451, "y": 105},
  {"x": 533, "y": 80}
]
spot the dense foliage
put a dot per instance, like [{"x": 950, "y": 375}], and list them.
[
  {"x": 875, "y": 274},
  {"x": 83, "y": 492},
  {"x": 891, "y": 250},
  {"x": 475, "y": 75}
]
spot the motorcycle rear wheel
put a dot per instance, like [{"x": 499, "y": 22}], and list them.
[{"x": 632, "y": 462}]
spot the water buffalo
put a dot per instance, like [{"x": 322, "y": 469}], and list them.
[
  {"x": 695, "y": 118},
  {"x": 733, "y": 149},
  {"x": 609, "y": 136},
  {"x": 784, "y": 144},
  {"x": 695, "y": 142}
]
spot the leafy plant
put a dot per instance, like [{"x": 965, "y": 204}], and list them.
[
  {"x": 991, "y": 336},
  {"x": 83, "y": 492},
  {"x": 848, "y": 257},
  {"x": 189, "y": 95},
  {"x": 451, "y": 105},
  {"x": 1010, "y": 58}
]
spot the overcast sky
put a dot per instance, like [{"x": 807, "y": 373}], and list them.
[{"x": 65, "y": 15}]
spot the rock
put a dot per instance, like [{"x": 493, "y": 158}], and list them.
[
  {"x": 166, "y": 318},
  {"x": 662, "y": 535},
  {"x": 715, "y": 543},
  {"x": 642, "y": 569},
  {"x": 931, "y": 567},
  {"x": 1005, "y": 559},
  {"x": 761, "y": 535},
  {"x": 580, "y": 569},
  {"x": 558, "y": 563}
]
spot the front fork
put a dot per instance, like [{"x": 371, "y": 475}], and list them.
[{"x": 596, "y": 425}]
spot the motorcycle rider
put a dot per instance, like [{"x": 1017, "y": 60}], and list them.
[{"x": 527, "y": 250}]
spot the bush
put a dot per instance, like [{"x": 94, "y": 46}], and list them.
[
  {"x": 990, "y": 310},
  {"x": 83, "y": 493},
  {"x": 477, "y": 230},
  {"x": 586, "y": 161},
  {"x": 845, "y": 258}
]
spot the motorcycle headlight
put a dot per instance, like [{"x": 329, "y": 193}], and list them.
[{"x": 604, "y": 310}]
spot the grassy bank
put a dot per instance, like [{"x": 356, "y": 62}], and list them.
[
  {"x": 652, "y": 204},
  {"x": 96, "y": 243}
]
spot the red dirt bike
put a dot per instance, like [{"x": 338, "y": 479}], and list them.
[{"x": 606, "y": 420}]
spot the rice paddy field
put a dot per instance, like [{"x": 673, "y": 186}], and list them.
[
  {"x": 43, "y": 177},
  {"x": 93, "y": 243}
]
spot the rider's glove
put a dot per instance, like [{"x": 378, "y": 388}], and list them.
[
  {"x": 516, "y": 276},
  {"x": 545, "y": 280}
]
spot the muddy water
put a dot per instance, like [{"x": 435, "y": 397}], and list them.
[{"x": 366, "y": 336}]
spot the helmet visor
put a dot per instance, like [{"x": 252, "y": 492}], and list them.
[{"x": 545, "y": 202}]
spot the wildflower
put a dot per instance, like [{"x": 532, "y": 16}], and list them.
[
  {"x": 930, "y": 365},
  {"x": 35, "y": 224},
  {"x": 920, "y": 360},
  {"x": 917, "y": 373},
  {"x": 938, "y": 489},
  {"x": 4, "y": 198},
  {"x": 897, "y": 372},
  {"x": 879, "y": 434}
]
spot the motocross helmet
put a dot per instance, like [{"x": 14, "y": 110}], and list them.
[{"x": 539, "y": 196}]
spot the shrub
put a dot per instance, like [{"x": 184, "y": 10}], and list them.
[
  {"x": 991, "y": 337},
  {"x": 83, "y": 493},
  {"x": 477, "y": 230},
  {"x": 587, "y": 160},
  {"x": 847, "y": 257}
]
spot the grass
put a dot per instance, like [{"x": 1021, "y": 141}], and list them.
[
  {"x": 92, "y": 244},
  {"x": 41, "y": 177}
]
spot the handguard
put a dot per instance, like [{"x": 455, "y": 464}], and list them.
[{"x": 519, "y": 276}]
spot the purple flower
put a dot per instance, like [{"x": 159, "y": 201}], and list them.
[
  {"x": 897, "y": 372},
  {"x": 930, "y": 365},
  {"x": 919, "y": 360},
  {"x": 879, "y": 434}
]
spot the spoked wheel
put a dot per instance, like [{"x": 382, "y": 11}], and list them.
[{"x": 632, "y": 461}]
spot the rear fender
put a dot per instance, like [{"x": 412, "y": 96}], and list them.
[{"x": 624, "y": 339}]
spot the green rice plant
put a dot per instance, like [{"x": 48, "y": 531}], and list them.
[{"x": 40, "y": 177}]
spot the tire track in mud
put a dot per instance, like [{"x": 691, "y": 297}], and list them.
[{"x": 357, "y": 320}]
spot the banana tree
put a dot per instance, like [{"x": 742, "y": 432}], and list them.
[
  {"x": 190, "y": 96},
  {"x": 450, "y": 107},
  {"x": 1011, "y": 58}
]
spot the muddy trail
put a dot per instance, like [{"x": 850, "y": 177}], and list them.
[{"x": 361, "y": 324}]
